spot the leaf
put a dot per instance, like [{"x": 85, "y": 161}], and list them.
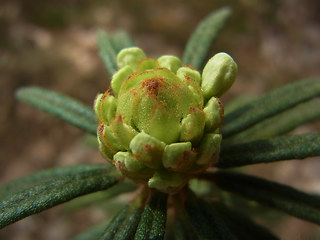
[
  {"x": 27, "y": 181},
  {"x": 107, "y": 51},
  {"x": 238, "y": 102},
  {"x": 201, "y": 39},
  {"x": 92, "y": 233},
  {"x": 270, "y": 104},
  {"x": 110, "y": 45},
  {"x": 121, "y": 39},
  {"x": 270, "y": 150},
  {"x": 124, "y": 225},
  {"x": 281, "y": 123},
  {"x": 184, "y": 230},
  {"x": 281, "y": 197},
  {"x": 153, "y": 219},
  {"x": 114, "y": 225},
  {"x": 101, "y": 197},
  {"x": 62, "y": 106},
  {"x": 138, "y": 221},
  {"x": 205, "y": 220},
  {"x": 38, "y": 192},
  {"x": 242, "y": 226},
  {"x": 129, "y": 226}
]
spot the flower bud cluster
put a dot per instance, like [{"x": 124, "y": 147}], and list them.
[{"x": 160, "y": 125}]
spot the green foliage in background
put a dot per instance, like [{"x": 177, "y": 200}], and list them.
[{"x": 254, "y": 132}]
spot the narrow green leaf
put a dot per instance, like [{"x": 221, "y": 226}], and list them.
[
  {"x": 129, "y": 226},
  {"x": 115, "y": 224},
  {"x": 153, "y": 219},
  {"x": 107, "y": 51},
  {"x": 269, "y": 105},
  {"x": 205, "y": 220},
  {"x": 281, "y": 197},
  {"x": 198, "y": 221},
  {"x": 92, "y": 233},
  {"x": 121, "y": 39},
  {"x": 184, "y": 230},
  {"x": 30, "y": 180},
  {"x": 281, "y": 123},
  {"x": 201, "y": 39},
  {"x": 101, "y": 197},
  {"x": 270, "y": 150},
  {"x": 62, "y": 106},
  {"x": 242, "y": 226},
  {"x": 124, "y": 225},
  {"x": 238, "y": 102},
  {"x": 45, "y": 190}
]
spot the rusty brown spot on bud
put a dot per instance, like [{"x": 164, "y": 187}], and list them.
[
  {"x": 100, "y": 129},
  {"x": 187, "y": 77},
  {"x": 106, "y": 94},
  {"x": 153, "y": 85},
  {"x": 189, "y": 66},
  {"x": 192, "y": 109},
  {"x": 147, "y": 147},
  {"x": 221, "y": 108}
]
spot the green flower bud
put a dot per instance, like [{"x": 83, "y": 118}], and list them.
[
  {"x": 96, "y": 106},
  {"x": 130, "y": 57},
  {"x": 178, "y": 157},
  {"x": 108, "y": 139},
  {"x": 214, "y": 114},
  {"x": 129, "y": 162},
  {"x": 106, "y": 152},
  {"x": 187, "y": 73},
  {"x": 119, "y": 77},
  {"x": 218, "y": 75},
  {"x": 161, "y": 126},
  {"x": 147, "y": 150},
  {"x": 169, "y": 182},
  {"x": 147, "y": 64},
  {"x": 209, "y": 146},
  {"x": 122, "y": 132},
  {"x": 170, "y": 62},
  {"x": 155, "y": 101},
  {"x": 192, "y": 126},
  {"x": 108, "y": 107},
  {"x": 132, "y": 169}
]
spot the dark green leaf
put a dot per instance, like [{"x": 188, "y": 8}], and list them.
[
  {"x": 115, "y": 224},
  {"x": 121, "y": 39},
  {"x": 101, "y": 197},
  {"x": 62, "y": 106},
  {"x": 153, "y": 220},
  {"x": 269, "y": 105},
  {"x": 205, "y": 220},
  {"x": 270, "y": 150},
  {"x": 128, "y": 228},
  {"x": 92, "y": 233},
  {"x": 124, "y": 225},
  {"x": 281, "y": 123},
  {"x": 184, "y": 230},
  {"x": 238, "y": 102},
  {"x": 137, "y": 222},
  {"x": 201, "y": 39},
  {"x": 281, "y": 197},
  {"x": 30, "y": 180},
  {"x": 242, "y": 226},
  {"x": 44, "y": 190},
  {"x": 107, "y": 51}
]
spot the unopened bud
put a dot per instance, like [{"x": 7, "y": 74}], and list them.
[
  {"x": 218, "y": 75},
  {"x": 161, "y": 126}
]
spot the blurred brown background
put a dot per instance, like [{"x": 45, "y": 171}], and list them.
[{"x": 52, "y": 44}]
